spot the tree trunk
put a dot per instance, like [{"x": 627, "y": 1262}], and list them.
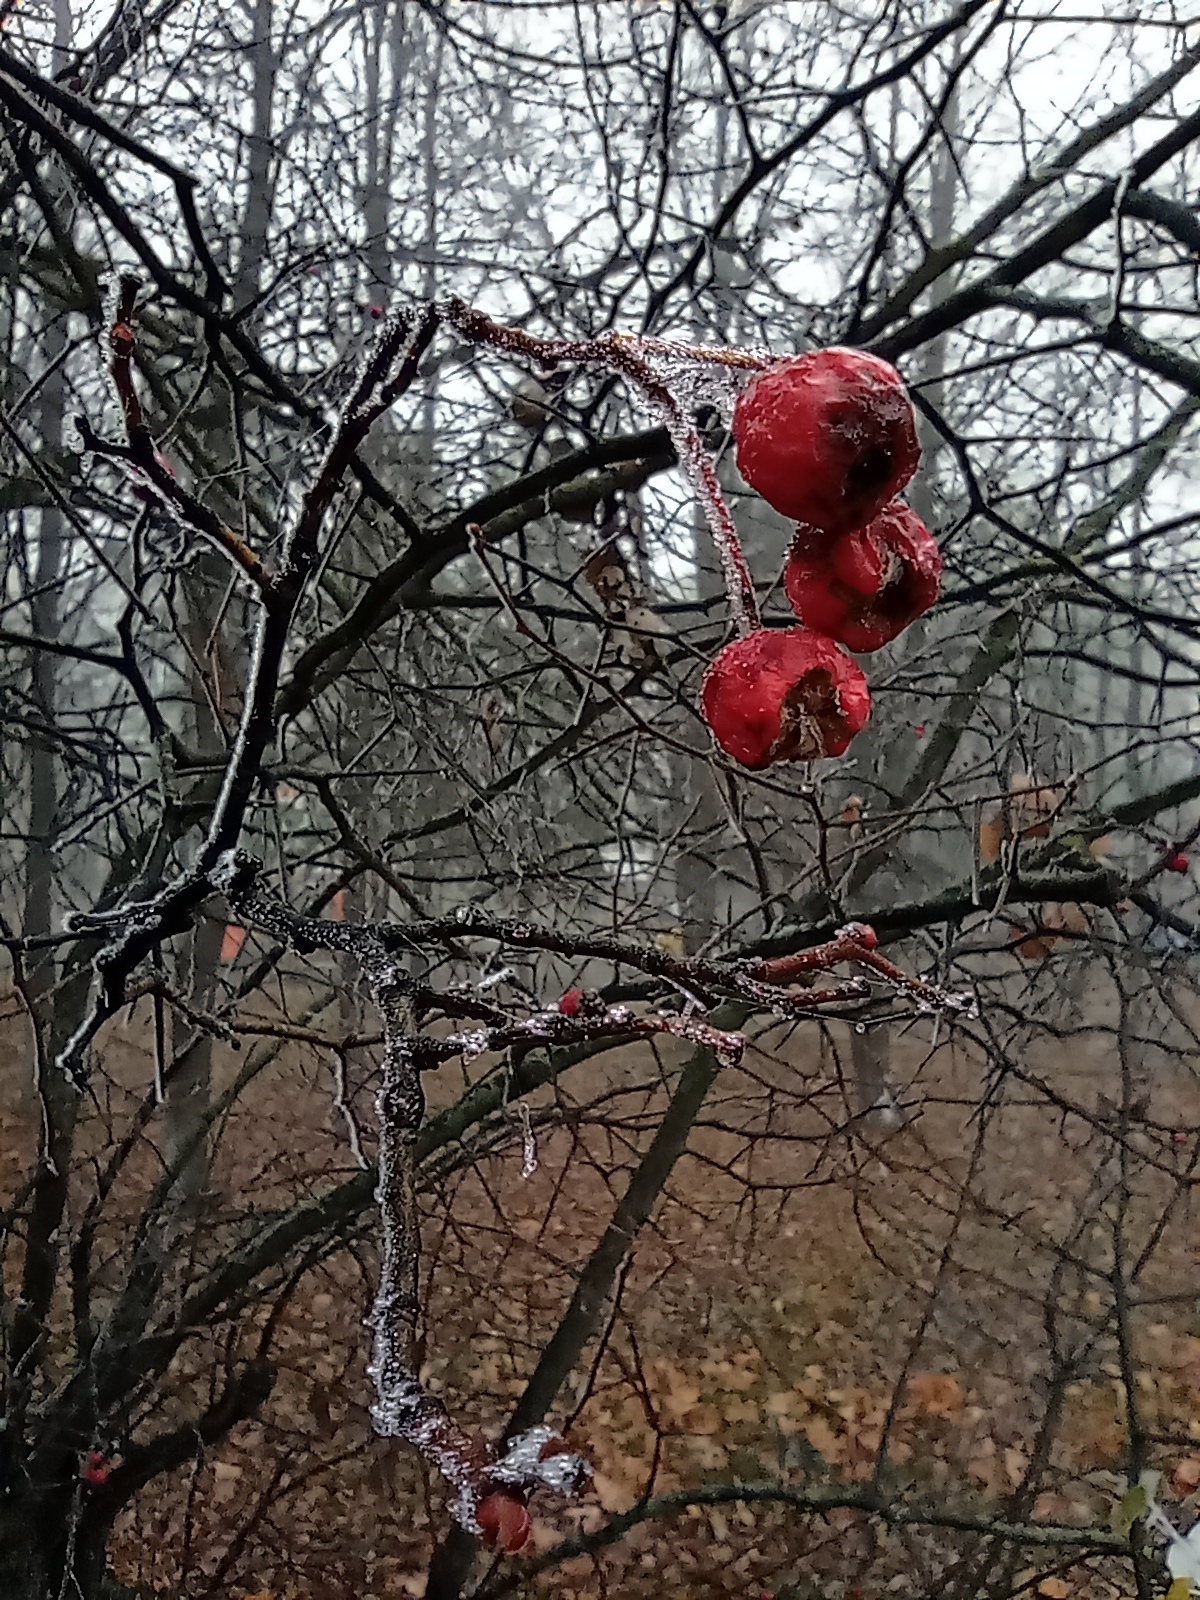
[{"x": 52, "y": 1545}]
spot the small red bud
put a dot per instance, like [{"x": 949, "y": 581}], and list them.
[
  {"x": 569, "y": 1005},
  {"x": 96, "y": 1469},
  {"x": 504, "y": 1521},
  {"x": 867, "y": 937},
  {"x": 1178, "y": 862},
  {"x": 919, "y": 730},
  {"x": 376, "y": 312},
  {"x": 1179, "y": 1138}
]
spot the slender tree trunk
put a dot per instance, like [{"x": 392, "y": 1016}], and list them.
[
  {"x": 453, "y": 1559},
  {"x": 870, "y": 1051},
  {"x": 213, "y": 626}
]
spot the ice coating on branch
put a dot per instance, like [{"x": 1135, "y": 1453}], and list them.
[
  {"x": 936, "y": 1001},
  {"x": 529, "y": 1460},
  {"x": 493, "y": 979},
  {"x": 224, "y": 870},
  {"x": 367, "y": 400},
  {"x": 470, "y": 1045},
  {"x": 694, "y": 461},
  {"x": 529, "y": 1160},
  {"x": 522, "y": 1456},
  {"x": 727, "y": 1047},
  {"x": 694, "y": 384}
]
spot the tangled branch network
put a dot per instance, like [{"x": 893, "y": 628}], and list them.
[{"x": 828, "y": 438}]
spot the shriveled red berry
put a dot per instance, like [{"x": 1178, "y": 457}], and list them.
[
  {"x": 571, "y": 1002},
  {"x": 827, "y": 438},
  {"x": 504, "y": 1522},
  {"x": 786, "y": 695},
  {"x": 1178, "y": 862},
  {"x": 97, "y": 1469},
  {"x": 864, "y": 588}
]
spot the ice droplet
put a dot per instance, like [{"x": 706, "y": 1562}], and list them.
[
  {"x": 470, "y": 1045},
  {"x": 529, "y": 1160}
]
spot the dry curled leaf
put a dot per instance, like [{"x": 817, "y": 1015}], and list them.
[{"x": 625, "y": 605}]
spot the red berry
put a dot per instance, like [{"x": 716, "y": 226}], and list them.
[
  {"x": 96, "y": 1469},
  {"x": 866, "y": 587},
  {"x": 571, "y": 1002},
  {"x": 865, "y": 935},
  {"x": 786, "y": 695},
  {"x": 827, "y": 438},
  {"x": 1179, "y": 1138},
  {"x": 504, "y": 1522},
  {"x": 1178, "y": 862},
  {"x": 919, "y": 730},
  {"x": 376, "y": 312}
]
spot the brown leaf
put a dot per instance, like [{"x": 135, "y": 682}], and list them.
[
  {"x": 704, "y": 1418},
  {"x": 991, "y": 837},
  {"x": 614, "y": 1494},
  {"x": 821, "y": 1436},
  {"x": 1067, "y": 915},
  {"x": 935, "y": 1394},
  {"x": 741, "y": 1411}
]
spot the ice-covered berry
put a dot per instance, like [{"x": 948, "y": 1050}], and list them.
[
  {"x": 864, "y": 588},
  {"x": 504, "y": 1522},
  {"x": 785, "y": 695},
  {"x": 827, "y": 438}
]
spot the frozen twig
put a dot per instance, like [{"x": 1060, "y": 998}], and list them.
[
  {"x": 403, "y": 1407},
  {"x": 652, "y": 367}
]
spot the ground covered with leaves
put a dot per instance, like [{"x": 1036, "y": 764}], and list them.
[{"x": 924, "y": 1313}]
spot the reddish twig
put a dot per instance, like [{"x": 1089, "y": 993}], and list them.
[{"x": 144, "y": 457}]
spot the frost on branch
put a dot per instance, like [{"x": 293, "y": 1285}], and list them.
[
  {"x": 403, "y": 1408},
  {"x": 489, "y": 1485},
  {"x": 669, "y": 379},
  {"x": 828, "y": 438}
]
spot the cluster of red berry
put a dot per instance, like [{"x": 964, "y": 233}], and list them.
[{"x": 828, "y": 439}]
